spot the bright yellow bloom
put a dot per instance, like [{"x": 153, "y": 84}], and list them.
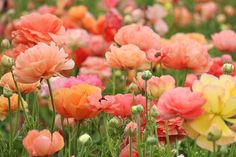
[{"x": 220, "y": 108}]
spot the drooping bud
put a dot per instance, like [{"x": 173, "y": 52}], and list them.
[
  {"x": 133, "y": 87},
  {"x": 7, "y": 61},
  {"x": 214, "y": 133},
  {"x": 227, "y": 68},
  {"x": 146, "y": 75},
  {"x": 154, "y": 112},
  {"x": 114, "y": 122},
  {"x": 152, "y": 140},
  {"x": 131, "y": 128},
  {"x": 7, "y": 92},
  {"x": 84, "y": 138}
]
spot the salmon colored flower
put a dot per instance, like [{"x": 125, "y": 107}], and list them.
[
  {"x": 186, "y": 55},
  {"x": 125, "y": 151},
  {"x": 41, "y": 62},
  {"x": 34, "y": 28},
  {"x": 126, "y": 57},
  {"x": 4, "y": 109},
  {"x": 131, "y": 127},
  {"x": 225, "y": 40},
  {"x": 16, "y": 51},
  {"x": 229, "y": 10},
  {"x": 7, "y": 80},
  {"x": 207, "y": 10},
  {"x": 156, "y": 86},
  {"x": 182, "y": 16},
  {"x": 186, "y": 36},
  {"x": 73, "y": 102},
  {"x": 43, "y": 143},
  {"x": 77, "y": 12},
  {"x": 181, "y": 102},
  {"x": 98, "y": 46},
  {"x": 141, "y": 36},
  {"x": 66, "y": 122},
  {"x": 190, "y": 78},
  {"x": 219, "y": 110}
]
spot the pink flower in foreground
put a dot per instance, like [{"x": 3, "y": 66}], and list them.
[
  {"x": 141, "y": 36},
  {"x": 41, "y": 62},
  {"x": 181, "y": 102},
  {"x": 43, "y": 143},
  {"x": 34, "y": 28},
  {"x": 225, "y": 40}
]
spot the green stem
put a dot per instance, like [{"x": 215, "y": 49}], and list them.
[
  {"x": 130, "y": 145},
  {"x": 125, "y": 81},
  {"x": 138, "y": 137},
  {"x": 53, "y": 106},
  {"x": 151, "y": 151},
  {"x": 113, "y": 83},
  {"x": 214, "y": 148},
  {"x": 17, "y": 117},
  {"x": 146, "y": 96},
  {"x": 69, "y": 142},
  {"x": 167, "y": 133},
  {"x": 10, "y": 117}
]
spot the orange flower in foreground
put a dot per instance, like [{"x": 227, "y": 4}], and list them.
[
  {"x": 41, "y": 61},
  {"x": 4, "y": 105},
  {"x": 43, "y": 143},
  {"x": 34, "y": 28},
  {"x": 126, "y": 57},
  {"x": 24, "y": 88},
  {"x": 73, "y": 102}
]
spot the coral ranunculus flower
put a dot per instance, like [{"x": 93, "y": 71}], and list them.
[
  {"x": 126, "y": 57},
  {"x": 186, "y": 55},
  {"x": 73, "y": 102},
  {"x": 141, "y": 36},
  {"x": 41, "y": 61},
  {"x": 225, "y": 40},
  {"x": 181, "y": 102},
  {"x": 34, "y": 28},
  {"x": 24, "y": 88},
  {"x": 43, "y": 143},
  {"x": 219, "y": 110}
]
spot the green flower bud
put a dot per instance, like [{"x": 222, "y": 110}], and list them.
[
  {"x": 84, "y": 138},
  {"x": 154, "y": 112},
  {"x": 214, "y": 133},
  {"x": 7, "y": 92},
  {"x": 227, "y": 68},
  {"x": 114, "y": 122},
  {"x": 152, "y": 140},
  {"x": 224, "y": 149},
  {"x": 7, "y": 61},
  {"x": 5, "y": 43},
  {"x": 146, "y": 75},
  {"x": 138, "y": 109}
]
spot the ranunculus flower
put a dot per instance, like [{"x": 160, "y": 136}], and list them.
[
  {"x": 97, "y": 46},
  {"x": 186, "y": 55},
  {"x": 207, "y": 10},
  {"x": 34, "y": 28},
  {"x": 126, "y": 57},
  {"x": 182, "y": 102},
  {"x": 190, "y": 78},
  {"x": 125, "y": 151},
  {"x": 225, "y": 40},
  {"x": 7, "y": 80},
  {"x": 96, "y": 66},
  {"x": 43, "y": 143},
  {"x": 16, "y": 51},
  {"x": 219, "y": 110},
  {"x": 192, "y": 36},
  {"x": 156, "y": 86},
  {"x": 41, "y": 62},
  {"x": 141, "y": 36},
  {"x": 73, "y": 102},
  {"x": 182, "y": 16}
]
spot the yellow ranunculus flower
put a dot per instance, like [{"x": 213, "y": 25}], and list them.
[{"x": 220, "y": 107}]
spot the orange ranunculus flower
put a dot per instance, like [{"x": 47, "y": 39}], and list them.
[
  {"x": 4, "y": 105},
  {"x": 89, "y": 23},
  {"x": 77, "y": 12},
  {"x": 182, "y": 16},
  {"x": 73, "y": 102},
  {"x": 126, "y": 57},
  {"x": 41, "y": 61},
  {"x": 186, "y": 36},
  {"x": 43, "y": 143},
  {"x": 24, "y": 88},
  {"x": 34, "y": 28}
]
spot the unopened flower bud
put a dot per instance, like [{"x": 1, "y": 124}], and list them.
[
  {"x": 154, "y": 112},
  {"x": 152, "y": 140},
  {"x": 131, "y": 127},
  {"x": 214, "y": 133},
  {"x": 128, "y": 19},
  {"x": 133, "y": 87},
  {"x": 84, "y": 138},
  {"x": 114, "y": 122},
  {"x": 7, "y": 92},
  {"x": 7, "y": 61},
  {"x": 117, "y": 73},
  {"x": 221, "y": 18},
  {"x": 227, "y": 68},
  {"x": 138, "y": 109},
  {"x": 5, "y": 43},
  {"x": 168, "y": 6},
  {"x": 224, "y": 149},
  {"x": 146, "y": 75}
]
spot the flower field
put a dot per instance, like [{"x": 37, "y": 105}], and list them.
[{"x": 117, "y": 78}]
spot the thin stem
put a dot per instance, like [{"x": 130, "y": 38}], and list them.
[
  {"x": 113, "y": 83},
  {"x": 146, "y": 96},
  {"x": 214, "y": 148},
  {"x": 138, "y": 137},
  {"x": 10, "y": 114},
  {"x": 125, "y": 81},
  {"x": 151, "y": 151},
  {"x": 53, "y": 106},
  {"x": 17, "y": 116},
  {"x": 167, "y": 133},
  {"x": 130, "y": 145}
]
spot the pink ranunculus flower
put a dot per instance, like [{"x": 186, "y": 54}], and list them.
[
  {"x": 126, "y": 57},
  {"x": 186, "y": 55},
  {"x": 156, "y": 86},
  {"x": 97, "y": 46},
  {"x": 142, "y": 36},
  {"x": 190, "y": 78},
  {"x": 43, "y": 143},
  {"x": 34, "y": 28},
  {"x": 207, "y": 10},
  {"x": 182, "y": 102},
  {"x": 225, "y": 40},
  {"x": 96, "y": 66},
  {"x": 183, "y": 17}
]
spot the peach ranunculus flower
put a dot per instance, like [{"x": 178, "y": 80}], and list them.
[
  {"x": 126, "y": 57},
  {"x": 43, "y": 143},
  {"x": 73, "y": 102},
  {"x": 182, "y": 16},
  {"x": 181, "y": 101},
  {"x": 4, "y": 109},
  {"x": 7, "y": 80},
  {"x": 186, "y": 55},
  {"x": 142, "y": 36},
  {"x": 207, "y": 10},
  {"x": 35, "y": 27},
  {"x": 186, "y": 36},
  {"x": 190, "y": 78},
  {"x": 77, "y": 13},
  {"x": 41, "y": 62},
  {"x": 225, "y": 40},
  {"x": 219, "y": 110},
  {"x": 96, "y": 66},
  {"x": 156, "y": 86}
]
